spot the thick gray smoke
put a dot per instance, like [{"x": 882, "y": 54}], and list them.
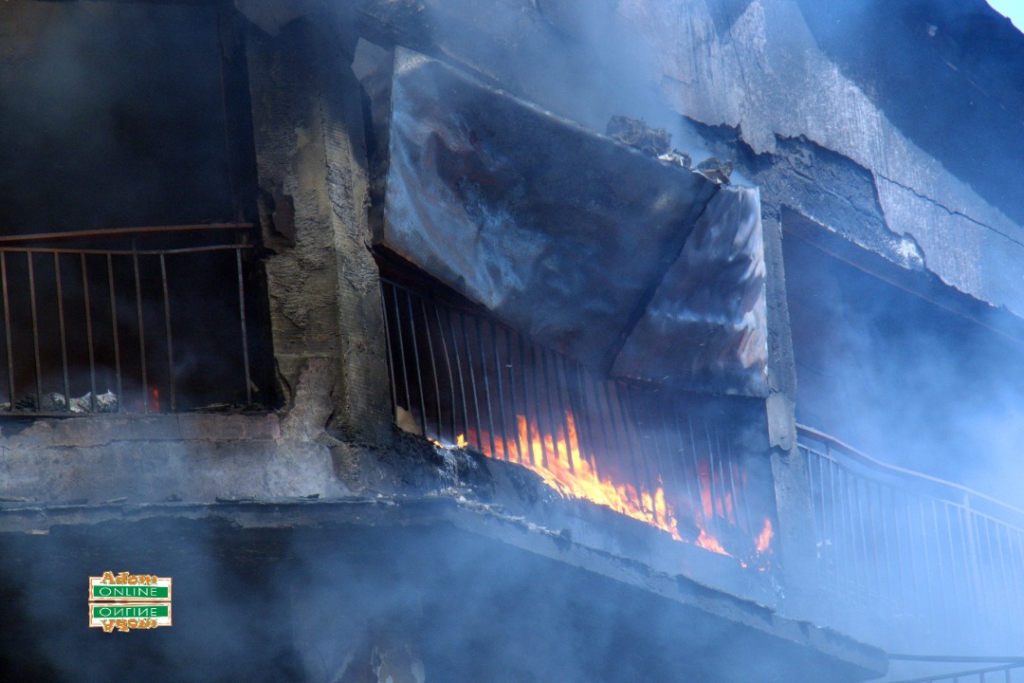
[{"x": 904, "y": 380}]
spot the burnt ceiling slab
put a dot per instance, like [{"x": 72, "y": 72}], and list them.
[
  {"x": 560, "y": 232},
  {"x": 705, "y": 328}
]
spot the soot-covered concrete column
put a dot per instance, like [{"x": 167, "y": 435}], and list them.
[
  {"x": 795, "y": 545},
  {"x": 311, "y": 157}
]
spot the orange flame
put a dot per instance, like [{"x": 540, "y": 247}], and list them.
[
  {"x": 709, "y": 542},
  {"x": 764, "y": 539},
  {"x": 557, "y": 459}
]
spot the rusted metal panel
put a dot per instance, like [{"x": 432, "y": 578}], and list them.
[
  {"x": 705, "y": 328},
  {"x": 604, "y": 254},
  {"x": 559, "y": 231}
]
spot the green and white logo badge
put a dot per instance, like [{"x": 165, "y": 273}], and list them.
[{"x": 126, "y": 602}]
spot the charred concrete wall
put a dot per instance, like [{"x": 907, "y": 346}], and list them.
[{"x": 765, "y": 76}]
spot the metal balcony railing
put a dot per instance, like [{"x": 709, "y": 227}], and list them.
[
  {"x": 1006, "y": 670},
  {"x": 140, "y": 320},
  {"x": 461, "y": 378},
  {"x": 912, "y": 561}
]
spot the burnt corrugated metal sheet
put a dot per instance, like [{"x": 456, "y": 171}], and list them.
[{"x": 705, "y": 326}]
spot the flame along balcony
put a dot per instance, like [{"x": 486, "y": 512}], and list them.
[
  {"x": 461, "y": 379},
  {"x": 117, "y": 321},
  {"x": 560, "y": 301}
]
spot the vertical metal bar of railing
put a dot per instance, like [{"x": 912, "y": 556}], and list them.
[
  {"x": 1009, "y": 589},
  {"x": 116, "y": 339},
  {"x": 416, "y": 364},
  {"x": 954, "y": 574},
  {"x": 407, "y": 396},
  {"x": 142, "y": 329},
  {"x": 458, "y": 366},
  {"x": 512, "y": 366},
  {"x": 675, "y": 484},
  {"x": 537, "y": 457},
  {"x": 634, "y": 436},
  {"x": 698, "y": 481},
  {"x": 728, "y": 503},
  {"x": 87, "y": 304},
  {"x": 470, "y": 364},
  {"x": 653, "y": 430},
  {"x": 972, "y": 600},
  {"x": 563, "y": 406},
  {"x": 1018, "y": 568},
  {"x": 829, "y": 522},
  {"x": 484, "y": 365},
  {"x": 496, "y": 353},
  {"x": 169, "y": 336},
  {"x": 535, "y": 426},
  {"x": 437, "y": 431},
  {"x": 709, "y": 467},
  {"x": 244, "y": 327},
  {"x": 593, "y": 427},
  {"x": 1008, "y": 602},
  {"x": 35, "y": 330},
  {"x": 449, "y": 373},
  {"x": 565, "y": 376},
  {"x": 544, "y": 396},
  {"x": 839, "y": 546},
  {"x": 898, "y": 547},
  {"x": 628, "y": 451},
  {"x": 386, "y": 288},
  {"x": 7, "y": 331},
  {"x": 62, "y": 330},
  {"x": 942, "y": 576}
]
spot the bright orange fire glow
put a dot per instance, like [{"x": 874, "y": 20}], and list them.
[
  {"x": 557, "y": 459},
  {"x": 764, "y": 539},
  {"x": 709, "y": 542},
  {"x": 558, "y": 462}
]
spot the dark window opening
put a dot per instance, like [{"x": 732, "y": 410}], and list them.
[{"x": 117, "y": 117}]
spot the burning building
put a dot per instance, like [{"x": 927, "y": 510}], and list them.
[{"x": 511, "y": 341}]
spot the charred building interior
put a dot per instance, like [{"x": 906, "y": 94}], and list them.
[{"x": 514, "y": 340}]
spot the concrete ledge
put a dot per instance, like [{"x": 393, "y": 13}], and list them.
[
  {"x": 99, "y": 430},
  {"x": 436, "y": 535}
]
